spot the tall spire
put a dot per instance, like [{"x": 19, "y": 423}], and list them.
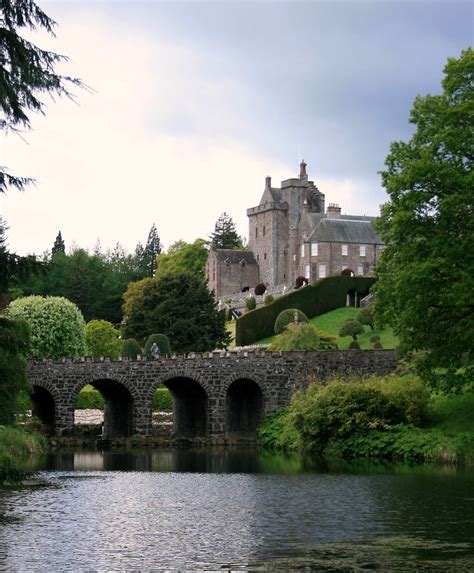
[{"x": 303, "y": 174}]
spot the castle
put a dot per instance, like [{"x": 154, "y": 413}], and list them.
[{"x": 291, "y": 234}]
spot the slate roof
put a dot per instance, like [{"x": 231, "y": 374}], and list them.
[
  {"x": 272, "y": 195},
  {"x": 346, "y": 231},
  {"x": 235, "y": 257}
]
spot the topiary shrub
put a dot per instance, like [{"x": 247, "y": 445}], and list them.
[
  {"x": 366, "y": 317},
  {"x": 102, "y": 339},
  {"x": 352, "y": 328},
  {"x": 286, "y": 317},
  {"x": 161, "y": 340},
  {"x": 378, "y": 345},
  {"x": 130, "y": 348},
  {"x": 375, "y": 338},
  {"x": 301, "y": 336},
  {"x": 268, "y": 299},
  {"x": 300, "y": 281},
  {"x": 57, "y": 326},
  {"x": 251, "y": 303},
  {"x": 354, "y": 345},
  {"x": 260, "y": 289}
]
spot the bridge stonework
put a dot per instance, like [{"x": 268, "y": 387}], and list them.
[{"x": 128, "y": 386}]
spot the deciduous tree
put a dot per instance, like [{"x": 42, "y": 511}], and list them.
[{"x": 426, "y": 272}]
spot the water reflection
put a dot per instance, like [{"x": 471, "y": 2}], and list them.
[{"x": 245, "y": 510}]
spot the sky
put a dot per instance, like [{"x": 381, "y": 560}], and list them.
[{"x": 192, "y": 104}]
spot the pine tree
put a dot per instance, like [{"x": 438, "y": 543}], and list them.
[
  {"x": 59, "y": 247},
  {"x": 151, "y": 251},
  {"x": 25, "y": 71},
  {"x": 225, "y": 234}
]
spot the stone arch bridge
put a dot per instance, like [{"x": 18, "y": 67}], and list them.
[{"x": 219, "y": 394}]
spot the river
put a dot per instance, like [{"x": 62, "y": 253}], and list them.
[{"x": 175, "y": 510}]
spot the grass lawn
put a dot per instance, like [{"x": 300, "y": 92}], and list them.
[
  {"x": 332, "y": 321},
  {"x": 230, "y": 327}
]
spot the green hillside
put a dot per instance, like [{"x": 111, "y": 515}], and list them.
[{"x": 332, "y": 321}]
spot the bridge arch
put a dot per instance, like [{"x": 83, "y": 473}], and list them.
[
  {"x": 120, "y": 398},
  {"x": 245, "y": 400},
  {"x": 44, "y": 400},
  {"x": 190, "y": 396}
]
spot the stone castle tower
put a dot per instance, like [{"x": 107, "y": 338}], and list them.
[{"x": 291, "y": 234}]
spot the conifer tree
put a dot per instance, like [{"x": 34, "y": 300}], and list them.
[
  {"x": 59, "y": 247},
  {"x": 225, "y": 234},
  {"x": 25, "y": 72},
  {"x": 151, "y": 251}
]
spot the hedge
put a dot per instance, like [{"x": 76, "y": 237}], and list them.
[{"x": 320, "y": 297}]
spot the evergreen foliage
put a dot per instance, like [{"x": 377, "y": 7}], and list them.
[
  {"x": 250, "y": 303},
  {"x": 130, "y": 348},
  {"x": 59, "y": 246},
  {"x": 426, "y": 270},
  {"x": 26, "y": 71},
  {"x": 57, "y": 326},
  {"x": 14, "y": 341},
  {"x": 300, "y": 336},
  {"x": 268, "y": 299},
  {"x": 287, "y": 317},
  {"x": 102, "y": 339},
  {"x": 150, "y": 252},
  {"x": 351, "y": 328},
  {"x": 318, "y": 298},
  {"x": 180, "y": 306},
  {"x": 161, "y": 340},
  {"x": 354, "y": 345},
  {"x": 366, "y": 317},
  {"x": 225, "y": 234}
]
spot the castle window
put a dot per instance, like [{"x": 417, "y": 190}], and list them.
[
  {"x": 360, "y": 270},
  {"x": 314, "y": 249},
  {"x": 302, "y": 250},
  {"x": 362, "y": 250},
  {"x": 213, "y": 276},
  {"x": 294, "y": 257},
  {"x": 344, "y": 250},
  {"x": 258, "y": 258},
  {"x": 263, "y": 232},
  {"x": 322, "y": 271},
  {"x": 256, "y": 232},
  {"x": 264, "y": 256},
  {"x": 307, "y": 272}
]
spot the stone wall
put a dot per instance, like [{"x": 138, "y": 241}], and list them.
[{"x": 200, "y": 384}]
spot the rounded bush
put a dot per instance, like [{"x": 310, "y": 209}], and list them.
[
  {"x": 300, "y": 281},
  {"x": 130, "y": 348},
  {"x": 301, "y": 336},
  {"x": 57, "y": 326},
  {"x": 375, "y": 338},
  {"x": 354, "y": 345},
  {"x": 260, "y": 288},
  {"x": 251, "y": 303},
  {"x": 352, "y": 328},
  {"x": 268, "y": 299},
  {"x": 161, "y": 340},
  {"x": 286, "y": 317},
  {"x": 102, "y": 339}
]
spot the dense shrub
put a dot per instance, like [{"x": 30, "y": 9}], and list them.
[
  {"x": 102, "y": 339},
  {"x": 351, "y": 328},
  {"x": 57, "y": 326},
  {"x": 161, "y": 340},
  {"x": 374, "y": 338},
  {"x": 287, "y": 317},
  {"x": 268, "y": 299},
  {"x": 16, "y": 446},
  {"x": 130, "y": 348},
  {"x": 326, "y": 341},
  {"x": 300, "y": 281},
  {"x": 301, "y": 336},
  {"x": 275, "y": 432},
  {"x": 341, "y": 409},
  {"x": 162, "y": 400},
  {"x": 251, "y": 303},
  {"x": 260, "y": 289},
  {"x": 320, "y": 297},
  {"x": 354, "y": 345},
  {"x": 378, "y": 345},
  {"x": 89, "y": 399},
  {"x": 228, "y": 314}
]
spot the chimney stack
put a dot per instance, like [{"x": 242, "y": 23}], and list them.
[
  {"x": 268, "y": 182},
  {"x": 333, "y": 211}
]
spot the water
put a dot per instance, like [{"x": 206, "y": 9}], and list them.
[{"x": 170, "y": 510}]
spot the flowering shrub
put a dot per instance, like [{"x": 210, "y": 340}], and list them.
[
  {"x": 300, "y": 281},
  {"x": 260, "y": 288}
]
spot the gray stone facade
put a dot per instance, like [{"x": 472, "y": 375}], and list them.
[
  {"x": 221, "y": 394},
  {"x": 291, "y": 233}
]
